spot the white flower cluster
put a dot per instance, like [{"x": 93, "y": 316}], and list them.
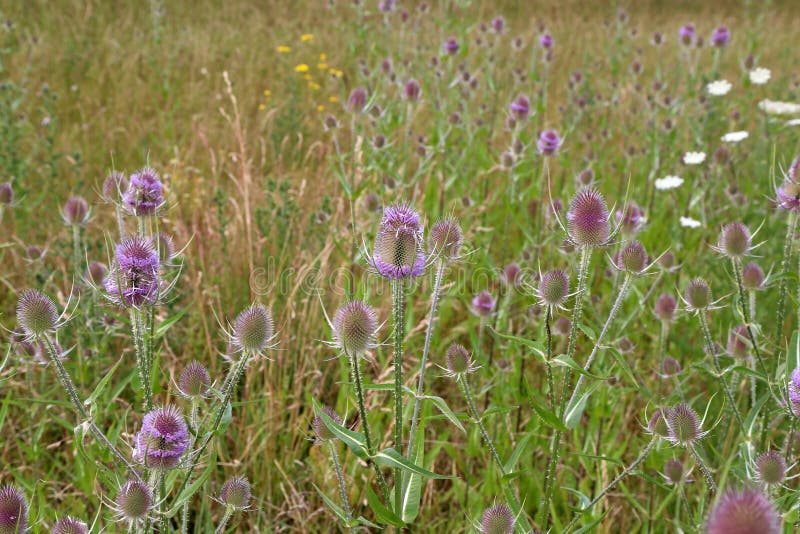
[{"x": 774, "y": 107}]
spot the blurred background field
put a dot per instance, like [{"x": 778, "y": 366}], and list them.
[{"x": 227, "y": 100}]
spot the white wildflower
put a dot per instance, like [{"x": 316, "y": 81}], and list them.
[
  {"x": 668, "y": 182},
  {"x": 719, "y": 87},
  {"x": 735, "y": 137},
  {"x": 760, "y": 76}
]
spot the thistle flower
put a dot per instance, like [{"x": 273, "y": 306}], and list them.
[
  {"x": 698, "y": 295},
  {"x": 320, "y": 429},
  {"x": 498, "y": 24},
  {"x": 499, "y": 519},
  {"x": 194, "y": 381},
  {"x": 458, "y": 361},
  {"x": 665, "y": 307},
  {"x": 657, "y": 425},
  {"x": 684, "y": 425},
  {"x": 631, "y": 219},
  {"x": 752, "y": 277},
  {"x": 6, "y": 194},
  {"x": 145, "y": 193},
  {"x": 114, "y": 186},
  {"x": 793, "y": 391},
  {"x": 670, "y": 366},
  {"x": 686, "y": 33},
  {"x": 788, "y": 196},
  {"x": 673, "y": 471},
  {"x": 511, "y": 275},
  {"x": 13, "y": 511},
  {"x": 36, "y": 313},
  {"x": 744, "y": 512},
  {"x": 412, "y": 90},
  {"x": 546, "y": 41},
  {"x": 445, "y": 238},
  {"x": 553, "y": 288},
  {"x": 398, "y": 246},
  {"x": 76, "y": 211},
  {"x": 450, "y": 46},
  {"x": 632, "y": 258},
  {"x": 96, "y": 272},
  {"x": 163, "y": 439},
  {"x": 520, "y": 108},
  {"x": 355, "y": 326},
  {"x": 134, "y": 280},
  {"x": 720, "y": 37},
  {"x": 357, "y": 100},
  {"x": 770, "y": 468},
  {"x": 735, "y": 240},
  {"x": 70, "y": 525},
  {"x": 235, "y": 493},
  {"x": 134, "y": 501},
  {"x": 483, "y": 304},
  {"x": 253, "y": 329},
  {"x": 587, "y": 219},
  {"x": 548, "y": 143},
  {"x": 739, "y": 342}
]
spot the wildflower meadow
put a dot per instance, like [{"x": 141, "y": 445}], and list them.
[{"x": 376, "y": 265}]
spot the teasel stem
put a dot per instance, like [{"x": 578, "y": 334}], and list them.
[
  {"x": 437, "y": 284},
  {"x": 713, "y": 351},
  {"x": 224, "y": 521},
  {"x": 787, "y": 257},
  {"x": 193, "y": 422},
  {"x": 345, "y": 502},
  {"x": 355, "y": 368},
  {"x": 628, "y": 470},
  {"x": 623, "y": 290},
  {"x": 706, "y": 473},
  {"x": 69, "y": 387},
  {"x": 662, "y": 339},
  {"x": 76, "y": 250},
  {"x": 399, "y": 324},
  {"x": 120, "y": 221},
  {"x": 743, "y": 302},
  {"x": 141, "y": 358}
]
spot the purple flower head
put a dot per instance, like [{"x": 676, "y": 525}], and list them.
[
  {"x": 744, "y": 512},
  {"x": 632, "y": 258},
  {"x": 521, "y": 108},
  {"x": 253, "y": 329},
  {"x": 658, "y": 423},
  {"x": 13, "y": 511},
  {"x": 735, "y": 240},
  {"x": 670, "y": 366},
  {"x": 554, "y": 288},
  {"x": 794, "y": 391},
  {"x": 499, "y": 24},
  {"x": 134, "y": 280},
  {"x": 458, "y": 361},
  {"x": 386, "y": 6},
  {"x": 788, "y": 196},
  {"x": 96, "y": 272},
  {"x": 549, "y": 142},
  {"x": 483, "y": 304},
  {"x": 165, "y": 246},
  {"x": 739, "y": 342},
  {"x": 194, "y": 381},
  {"x": 445, "y": 238},
  {"x": 235, "y": 493},
  {"x": 546, "y": 41},
  {"x": 698, "y": 295},
  {"x": 398, "y": 246},
  {"x": 720, "y": 37},
  {"x": 355, "y": 326},
  {"x": 665, "y": 307},
  {"x": 752, "y": 277},
  {"x": 357, "y": 100},
  {"x": 36, "y": 313},
  {"x": 562, "y": 326},
  {"x": 321, "y": 429},
  {"x": 76, "y": 211},
  {"x": 6, "y": 194},
  {"x": 70, "y": 525},
  {"x": 684, "y": 425},
  {"x": 114, "y": 186},
  {"x": 134, "y": 500},
  {"x": 145, "y": 193},
  {"x": 686, "y": 33},
  {"x": 163, "y": 439},
  {"x": 770, "y": 468},
  {"x": 511, "y": 275},
  {"x": 412, "y": 90},
  {"x": 587, "y": 219},
  {"x": 499, "y": 519},
  {"x": 451, "y": 46},
  {"x": 793, "y": 173},
  {"x": 673, "y": 471},
  {"x": 631, "y": 219}
]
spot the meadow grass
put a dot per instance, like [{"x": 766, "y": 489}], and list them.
[{"x": 272, "y": 207}]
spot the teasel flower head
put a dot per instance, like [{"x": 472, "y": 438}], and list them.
[
  {"x": 698, "y": 295},
  {"x": 793, "y": 392},
  {"x": 135, "y": 278},
  {"x": 546, "y": 41},
  {"x": 163, "y": 439},
  {"x": 320, "y": 429},
  {"x": 70, "y": 525},
  {"x": 631, "y": 219},
  {"x": 357, "y": 100},
  {"x": 445, "y": 240},
  {"x": 451, "y": 46},
  {"x": 520, "y": 108},
  {"x": 553, "y": 288},
  {"x": 587, "y": 219},
  {"x": 164, "y": 244},
  {"x": 511, "y": 275},
  {"x": 770, "y": 468},
  {"x": 748, "y": 511},
  {"x": 194, "y": 381},
  {"x": 145, "y": 193},
  {"x": 398, "y": 250},
  {"x": 236, "y": 493},
  {"x": 76, "y": 211},
  {"x": 548, "y": 143},
  {"x": 96, "y": 273},
  {"x": 657, "y": 425},
  {"x": 562, "y": 326},
  {"x": 670, "y": 367},
  {"x": 6, "y": 194},
  {"x": 458, "y": 362},
  {"x": 36, "y": 314},
  {"x": 483, "y": 304},
  {"x": 114, "y": 186},
  {"x": 134, "y": 501},
  {"x": 412, "y": 90},
  {"x": 665, "y": 307},
  {"x": 735, "y": 240},
  {"x": 788, "y": 195},
  {"x": 632, "y": 259},
  {"x": 499, "y": 519},
  {"x": 13, "y": 511},
  {"x": 720, "y": 37},
  {"x": 753, "y": 277},
  {"x": 253, "y": 329},
  {"x": 667, "y": 261},
  {"x": 685, "y": 427},
  {"x": 739, "y": 342},
  {"x": 673, "y": 471},
  {"x": 355, "y": 326},
  {"x": 686, "y": 33}
]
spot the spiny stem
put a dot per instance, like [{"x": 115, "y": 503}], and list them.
[
  {"x": 76, "y": 250},
  {"x": 787, "y": 257},
  {"x": 340, "y": 478},
  {"x": 141, "y": 358},
  {"x": 399, "y": 320},
  {"x": 224, "y": 521},
  {"x": 743, "y": 302},
  {"x": 713, "y": 351},
  {"x": 706, "y": 473},
  {"x": 613, "y": 483}
]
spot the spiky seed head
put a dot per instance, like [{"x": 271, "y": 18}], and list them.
[
  {"x": 135, "y": 278},
  {"x": 554, "y": 288},
  {"x": 36, "y": 313},
  {"x": 145, "y": 193},
  {"x": 667, "y": 261},
  {"x": 548, "y": 143},
  {"x": 586, "y": 178},
  {"x": 698, "y": 295},
  {"x": 13, "y": 511},
  {"x": 673, "y": 470},
  {"x": 412, "y": 90},
  {"x": 355, "y": 326},
  {"x": 194, "y": 381},
  {"x": 739, "y": 342},
  {"x": 70, "y": 525},
  {"x": 253, "y": 328},
  {"x": 134, "y": 500},
  {"x": 398, "y": 246},
  {"x": 357, "y": 100},
  {"x": 163, "y": 439},
  {"x": 96, "y": 272},
  {"x": 320, "y": 429},
  {"x": 511, "y": 275},
  {"x": 771, "y": 467},
  {"x": 658, "y": 423},
  {"x": 235, "y": 493},
  {"x": 670, "y": 366},
  {"x": 34, "y": 253},
  {"x": 165, "y": 246},
  {"x": 748, "y": 511},
  {"x": 114, "y": 186},
  {"x": 483, "y": 304},
  {"x": 632, "y": 258},
  {"x": 76, "y": 211},
  {"x": 562, "y": 326},
  {"x": 6, "y": 194},
  {"x": 735, "y": 240},
  {"x": 793, "y": 391},
  {"x": 520, "y": 108},
  {"x": 372, "y": 202},
  {"x": 625, "y": 345},
  {"x": 458, "y": 360},
  {"x": 752, "y": 277},
  {"x": 684, "y": 425},
  {"x": 665, "y": 307},
  {"x": 446, "y": 239},
  {"x": 587, "y": 219},
  {"x": 499, "y": 519}
]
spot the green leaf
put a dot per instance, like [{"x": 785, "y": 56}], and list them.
[
  {"x": 589, "y": 333},
  {"x": 590, "y": 526},
  {"x": 165, "y": 325},
  {"x": 446, "y": 411},
  {"x": 623, "y": 363},
  {"x": 565, "y": 361},
  {"x": 535, "y": 346},
  {"x": 354, "y": 440},
  {"x": 337, "y": 510},
  {"x": 747, "y": 371},
  {"x": 382, "y": 513},
  {"x": 191, "y": 489},
  {"x": 548, "y": 417},
  {"x": 412, "y": 483},
  {"x": 574, "y": 412},
  {"x": 102, "y": 384},
  {"x": 512, "y": 461},
  {"x": 392, "y": 458}
]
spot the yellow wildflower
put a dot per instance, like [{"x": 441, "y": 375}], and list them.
[
  {"x": 323, "y": 57},
  {"x": 320, "y": 108},
  {"x": 314, "y": 86},
  {"x": 322, "y": 66},
  {"x": 333, "y": 99},
  {"x": 302, "y": 67},
  {"x": 307, "y": 77},
  {"x": 306, "y": 37},
  {"x": 262, "y": 107},
  {"x": 283, "y": 49},
  {"x": 267, "y": 93}
]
